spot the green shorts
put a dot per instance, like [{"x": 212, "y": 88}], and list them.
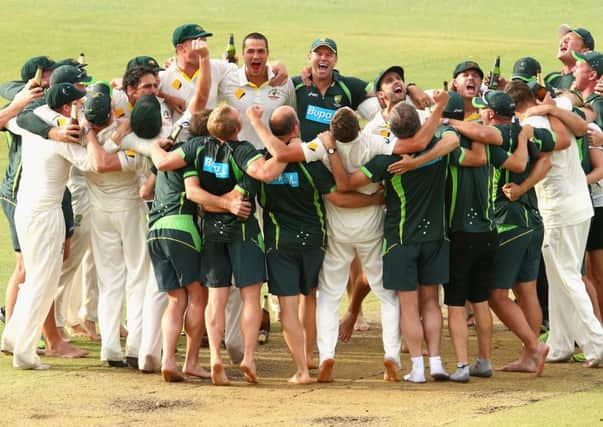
[
  {"x": 243, "y": 259},
  {"x": 517, "y": 257},
  {"x": 293, "y": 272},
  {"x": 9, "y": 206},
  {"x": 175, "y": 253},
  {"x": 406, "y": 266}
]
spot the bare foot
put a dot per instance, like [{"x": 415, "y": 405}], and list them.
[
  {"x": 198, "y": 372},
  {"x": 218, "y": 375},
  {"x": 123, "y": 332},
  {"x": 346, "y": 327},
  {"x": 325, "y": 372},
  {"x": 300, "y": 379},
  {"x": 90, "y": 328},
  {"x": 248, "y": 369},
  {"x": 78, "y": 331},
  {"x": 591, "y": 363},
  {"x": 541, "y": 354},
  {"x": 391, "y": 370},
  {"x": 311, "y": 362},
  {"x": 61, "y": 333},
  {"x": 361, "y": 324},
  {"x": 170, "y": 376},
  {"x": 65, "y": 351}
]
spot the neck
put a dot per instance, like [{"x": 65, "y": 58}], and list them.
[
  {"x": 186, "y": 67},
  {"x": 589, "y": 90},
  {"x": 568, "y": 65},
  {"x": 469, "y": 108},
  {"x": 258, "y": 80},
  {"x": 323, "y": 84}
]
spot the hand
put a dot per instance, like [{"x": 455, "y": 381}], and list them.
[
  {"x": 175, "y": 103},
  {"x": 548, "y": 99},
  {"x": 406, "y": 164},
  {"x": 255, "y": 113},
  {"x": 419, "y": 97},
  {"x": 441, "y": 98},
  {"x": 165, "y": 143},
  {"x": 528, "y": 131},
  {"x": 122, "y": 130},
  {"x": 327, "y": 139},
  {"x": 595, "y": 139},
  {"x": 306, "y": 74},
  {"x": 66, "y": 249},
  {"x": 239, "y": 207},
  {"x": 169, "y": 61},
  {"x": 117, "y": 83},
  {"x": 512, "y": 191},
  {"x": 200, "y": 48},
  {"x": 280, "y": 74},
  {"x": 26, "y": 95},
  {"x": 379, "y": 197},
  {"x": 69, "y": 133}
]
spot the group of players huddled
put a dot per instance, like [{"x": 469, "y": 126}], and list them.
[{"x": 256, "y": 177}]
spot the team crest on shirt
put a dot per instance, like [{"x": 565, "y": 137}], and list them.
[
  {"x": 240, "y": 93},
  {"x": 274, "y": 94},
  {"x": 61, "y": 121},
  {"x": 119, "y": 113},
  {"x": 177, "y": 84},
  {"x": 384, "y": 133},
  {"x": 77, "y": 220},
  {"x": 337, "y": 100},
  {"x": 312, "y": 145}
]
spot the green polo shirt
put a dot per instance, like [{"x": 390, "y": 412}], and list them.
[
  {"x": 221, "y": 167},
  {"x": 468, "y": 203},
  {"x": 315, "y": 111},
  {"x": 12, "y": 175},
  {"x": 294, "y": 213},
  {"x": 596, "y": 103},
  {"x": 524, "y": 211},
  {"x": 560, "y": 81},
  {"x": 414, "y": 200}
]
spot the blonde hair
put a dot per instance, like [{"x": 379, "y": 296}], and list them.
[{"x": 221, "y": 124}]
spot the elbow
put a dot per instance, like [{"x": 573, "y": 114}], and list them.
[
  {"x": 162, "y": 166},
  {"x": 518, "y": 167}
]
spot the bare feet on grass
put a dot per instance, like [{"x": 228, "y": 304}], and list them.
[
  {"x": 390, "y": 372},
  {"x": 346, "y": 327},
  {"x": 530, "y": 362},
  {"x": 361, "y": 324},
  {"x": 248, "y": 369},
  {"x": 325, "y": 372},
  {"x": 218, "y": 375},
  {"x": 64, "y": 350},
  {"x": 300, "y": 378},
  {"x": 196, "y": 371}
]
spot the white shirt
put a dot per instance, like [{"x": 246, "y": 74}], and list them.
[
  {"x": 596, "y": 190},
  {"x": 240, "y": 93},
  {"x": 563, "y": 197},
  {"x": 356, "y": 224},
  {"x": 174, "y": 82},
  {"x": 123, "y": 109}
]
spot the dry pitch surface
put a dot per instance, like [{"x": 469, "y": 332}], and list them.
[{"x": 85, "y": 392}]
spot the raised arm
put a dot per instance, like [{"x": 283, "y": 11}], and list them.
[
  {"x": 444, "y": 146},
  {"x": 203, "y": 85}
]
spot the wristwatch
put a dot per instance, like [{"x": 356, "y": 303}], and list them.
[{"x": 331, "y": 150}]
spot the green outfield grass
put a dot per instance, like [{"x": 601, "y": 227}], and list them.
[{"x": 427, "y": 38}]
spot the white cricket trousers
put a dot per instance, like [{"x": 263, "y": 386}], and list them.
[
  {"x": 122, "y": 263},
  {"x": 155, "y": 303},
  {"x": 41, "y": 235},
  {"x": 332, "y": 283},
  {"x": 571, "y": 312}
]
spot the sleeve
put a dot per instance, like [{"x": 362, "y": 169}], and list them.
[
  {"x": 376, "y": 169},
  {"x": 381, "y": 144},
  {"x": 369, "y": 108},
  {"x": 313, "y": 150},
  {"x": 10, "y": 89},
  {"x": 544, "y": 139},
  {"x": 133, "y": 142},
  {"x": 597, "y": 106},
  {"x": 245, "y": 154},
  {"x": 32, "y": 123},
  {"x": 75, "y": 154},
  {"x": 67, "y": 209},
  {"x": 456, "y": 156},
  {"x": 497, "y": 155},
  {"x": 188, "y": 151},
  {"x": 325, "y": 183}
]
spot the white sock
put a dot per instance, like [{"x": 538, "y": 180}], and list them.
[
  {"x": 417, "y": 373},
  {"x": 435, "y": 365}
]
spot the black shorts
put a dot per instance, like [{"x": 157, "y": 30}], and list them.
[
  {"x": 293, "y": 272},
  {"x": 243, "y": 259},
  {"x": 175, "y": 256},
  {"x": 595, "y": 234},
  {"x": 9, "y": 207},
  {"x": 407, "y": 266},
  {"x": 518, "y": 257},
  {"x": 471, "y": 262}
]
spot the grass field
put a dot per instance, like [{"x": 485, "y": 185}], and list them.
[{"x": 428, "y": 39}]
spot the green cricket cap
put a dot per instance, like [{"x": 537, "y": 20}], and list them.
[
  {"x": 102, "y": 86},
  {"x": 526, "y": 69},
  {"x": 188, "y": 32},
  {"x": 97, "y": 108},
  {"x": 455, "y": 108},
  {"x": 498, "y": 101},
  {"x": 592, "y": 58},
  {"x": 583, "y": 33},
  {"x": 146, "y": 117},
  {"x": 143, "y": 61},
  {"x": 330, "y": 43},
  {"x": 467, "y": 65},
  {"x": 63, "y": 93},
  {"x": 28, "y": 71},
  {"x": 69, "y": 74},
  {"x": 393, "y": 69}
]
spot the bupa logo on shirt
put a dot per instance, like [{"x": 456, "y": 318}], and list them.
[
  {"x": 319, "y": 114},
  {"x": 220, "y": 170},
  {"x": 287, "y": 178}
]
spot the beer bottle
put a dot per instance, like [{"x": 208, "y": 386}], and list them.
[
  {"x": 175, "y": 133},
  {"x": 265, "y": 324},
  {"x": 81, "y": 60},
  {"x": 445, "y": 85},
  {"x": 541, "y": 88},
  {"x": 495, "y": 74},
  {"x": 37, "y": 79},
  {"x": 73, "y": 120},
  {"x": 231, "y": 50}
]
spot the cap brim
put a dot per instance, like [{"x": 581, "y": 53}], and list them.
[
  {"x": 324, "y": 44},
  {"x": 522, "y": 78},
  {"x": 87, "y": 79},
  {"x": 578, "y": 56},
  {"x": 478, "y": 102}
]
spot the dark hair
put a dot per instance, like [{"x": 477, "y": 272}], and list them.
[
  {"x": 520, "y": 92},
  {"x": 344, "y": 125},
  {"x": 404, "y": 120},
  {"x": 284, "y": 124},
  {"x": 198, "y": 125},
  {"x": 133, "y": 76},
  {"x": 255, "y": 36}
]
